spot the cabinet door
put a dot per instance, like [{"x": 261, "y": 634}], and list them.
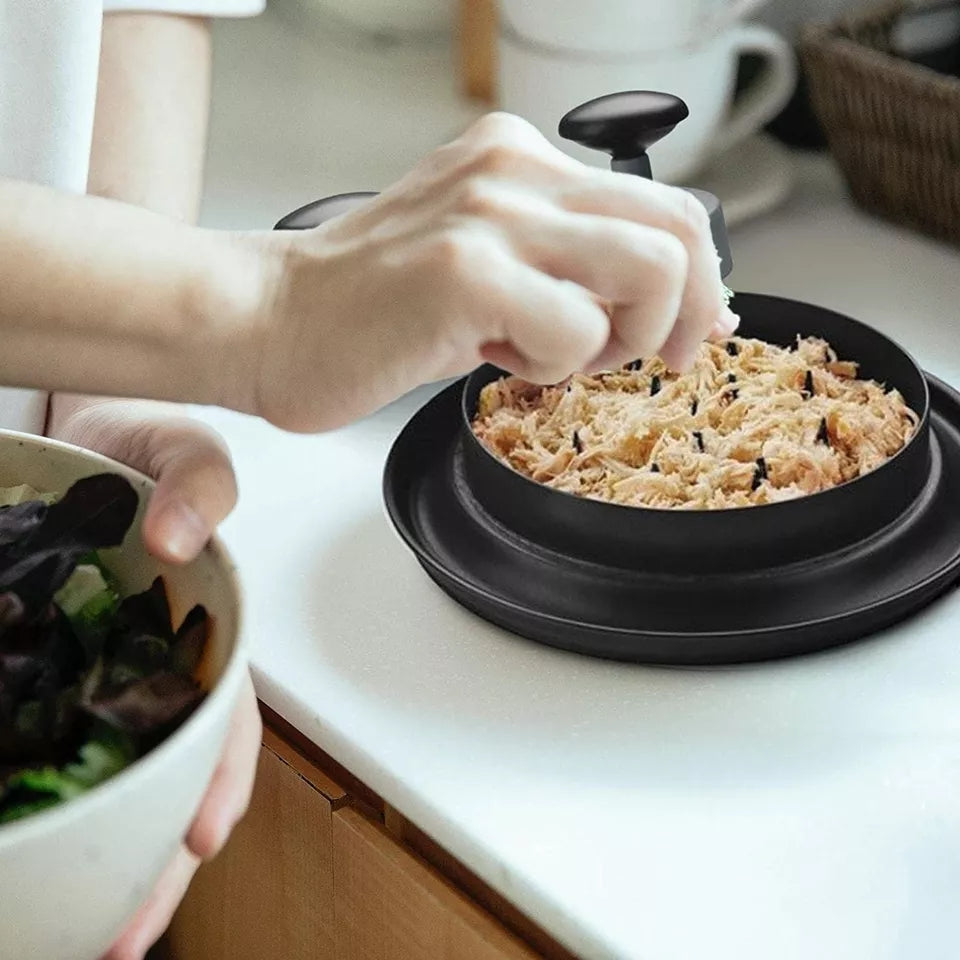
[
  {"x": 390, "y": 906},
  {"x": 269, "y": 895}
]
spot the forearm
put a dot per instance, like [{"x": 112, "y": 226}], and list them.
[
  {"x": 101, "y": 297},
  {"x": 152, "y": 111},
  {"x": 151, "y": 126}
]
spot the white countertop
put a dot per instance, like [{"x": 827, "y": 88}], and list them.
[{"x": 800, "y": 810}]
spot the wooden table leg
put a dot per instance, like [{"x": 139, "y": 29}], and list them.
[{"x": 478, "y": 49}]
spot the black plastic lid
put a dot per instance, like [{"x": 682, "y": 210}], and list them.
[
  {"x": 320, "y": 211},
  {"x": 625, "y": 125}
]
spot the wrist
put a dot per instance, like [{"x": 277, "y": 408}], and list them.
[
  {"x": 70, "y": 415},
  {"x": 229, "y": 303}
]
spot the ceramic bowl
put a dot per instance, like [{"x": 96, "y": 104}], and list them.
[{"x": 71, "y": 877}]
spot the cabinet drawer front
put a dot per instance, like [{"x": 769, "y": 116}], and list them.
[
  {"x": 390, "y": 906},
  {"x": 269, "y": 895}
]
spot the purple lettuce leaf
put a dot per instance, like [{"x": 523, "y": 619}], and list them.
[
  {"x": 40, "y": 545},
  {"x": 138, "y": 680},
  {"x": 148, "y": 705}
]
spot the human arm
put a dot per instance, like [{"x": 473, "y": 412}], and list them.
[
  {"x": 148, "y": 150},
  {"x": 104, "y": 297},
  {"x": 496, "y": 246}
]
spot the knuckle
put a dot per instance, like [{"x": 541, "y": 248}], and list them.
[
  {"x": 498, "y": 142},
  {"x": 444, "y": 156},
  {"x": 498, "y": 124},
  {"x": 495, "y": 158},
  {"x": 450, "y": 251},
  {"x": 480, "y": 198}
]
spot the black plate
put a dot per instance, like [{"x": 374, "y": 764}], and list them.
[{"x": 646, "y": 615}]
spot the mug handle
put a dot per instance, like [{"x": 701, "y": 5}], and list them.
[{"x": 768, "y": 94}]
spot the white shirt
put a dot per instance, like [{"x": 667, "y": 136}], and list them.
[{"x": 49, "y": 59}]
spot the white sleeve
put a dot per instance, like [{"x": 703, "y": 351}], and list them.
[{"x": 195, "y": 8}]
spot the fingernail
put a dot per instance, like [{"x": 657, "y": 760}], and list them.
[
  {"x": 728, "y": 321},
  {"x": 182, "y": 532}
]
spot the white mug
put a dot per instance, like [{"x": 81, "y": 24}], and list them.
[
  {"x": 391, "y": 17},
  {"x": 541, "y": 85},
  {"x": 620, "y": 26}
]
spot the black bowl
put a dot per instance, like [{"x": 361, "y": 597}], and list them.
[
  {"x": 689, "y": 587},
  {"x": 745, "y": 538}
]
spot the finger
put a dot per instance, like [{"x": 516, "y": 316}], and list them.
[
  {"x": 727, "y": 326},
  {"x": 641, "y": 326},
  {"x": 679, "y": 353},
  {"x": 228, "y": 796},
  {"x": 615, "y": 355},
  {"x": 677, "y": 212},
  {"x": 554, "y": 327},
  {"x": 505, "y": 139},
  {"x": 505, "y": 356},
  {"x": 153, "y": 918},
  {"x": 641, "y": 329},
  {"x": 679, "y": 356},
  {"x": 196, "y": 489},
  {"x": 618, "y": 260}
]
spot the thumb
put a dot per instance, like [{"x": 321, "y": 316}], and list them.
[{"x": 196, "y": 489}]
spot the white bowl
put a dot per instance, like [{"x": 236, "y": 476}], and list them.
[{"x": 71, "y": 877}]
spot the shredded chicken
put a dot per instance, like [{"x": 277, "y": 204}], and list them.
[{"x": 752, "y": 423}]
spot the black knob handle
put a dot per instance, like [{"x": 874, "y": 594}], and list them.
[
  {"x": 625, "y": 125},
  {"x": 320, "y": 211}
]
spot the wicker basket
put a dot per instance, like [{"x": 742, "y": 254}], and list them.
[{"x": 892, "y": 126}]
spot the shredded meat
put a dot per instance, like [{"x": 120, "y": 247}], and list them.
[{"x": 752, "y": 423}]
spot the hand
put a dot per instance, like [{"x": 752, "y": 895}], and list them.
[
  {"x": 195, "y": 491},
  {"x": 495, "y": 247},
  {"x": 221, "y": 809}
]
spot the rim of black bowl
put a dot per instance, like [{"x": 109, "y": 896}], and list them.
[{"x": 922, "y": 426}]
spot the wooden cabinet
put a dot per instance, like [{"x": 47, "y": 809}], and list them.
[
  {"x": 389, "y": 906},
  {"x": 270, "y": 893},
  {"x": 317, "y": 871}
]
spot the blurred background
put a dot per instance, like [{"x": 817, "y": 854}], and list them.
[{"x": 327, "y": 96}]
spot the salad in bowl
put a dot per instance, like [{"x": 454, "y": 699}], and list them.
[{"x": 119, "y": 674}]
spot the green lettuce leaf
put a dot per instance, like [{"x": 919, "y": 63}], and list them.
[{"x": 33, "y": 789}]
